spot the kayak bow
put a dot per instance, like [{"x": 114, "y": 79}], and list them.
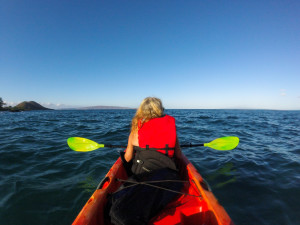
[{"x": 186, "y": 209}]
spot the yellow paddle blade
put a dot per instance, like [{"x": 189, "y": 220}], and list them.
[
  {"x": 223, "y": 143},
  {"x": 80, "y": 144}
]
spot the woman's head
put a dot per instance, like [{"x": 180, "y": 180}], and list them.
[{"x": 149, "y": 108}]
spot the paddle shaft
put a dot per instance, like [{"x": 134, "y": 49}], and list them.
[
  {"x": 122, "y": 146},
  {"x": 114, "y": 146},
  {"x": 191, "y": 145}
]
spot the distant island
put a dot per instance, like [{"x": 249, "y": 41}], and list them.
[
  {"x": 102, "y": 107},
  {"x": 27, "y": 106},
  {"x": 31, "y": 105}
]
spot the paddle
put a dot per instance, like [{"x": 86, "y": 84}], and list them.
[{"x": 80, "y": 144}]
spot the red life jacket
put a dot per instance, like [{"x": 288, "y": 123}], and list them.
[{"x": 160, "y": 134}]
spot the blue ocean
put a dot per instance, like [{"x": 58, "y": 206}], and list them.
[{"x": 42, "y": 181}]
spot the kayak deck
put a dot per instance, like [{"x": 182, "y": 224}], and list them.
[{"x": 186, "y": 209}]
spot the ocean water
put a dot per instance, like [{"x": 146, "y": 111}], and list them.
[{"x": 42, "y": 181}]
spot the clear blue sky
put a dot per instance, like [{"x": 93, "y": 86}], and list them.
[{"x": 191, "y": 54}]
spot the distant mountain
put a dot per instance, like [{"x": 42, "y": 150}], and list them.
[
  {"x": 103, "y": 107},
  {"x": 28, "y": 106}
]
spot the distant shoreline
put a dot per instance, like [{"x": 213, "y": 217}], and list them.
[
  {"x": 102, "y": 107},
  {"x": 124, "y": 108}
]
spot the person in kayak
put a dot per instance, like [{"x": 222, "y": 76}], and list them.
[
  {"x": 150, "y": 156},
  {"x": 153, "y": 142}
]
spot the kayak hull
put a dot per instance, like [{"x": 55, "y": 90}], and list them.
[{"x": 186, "y": 209}]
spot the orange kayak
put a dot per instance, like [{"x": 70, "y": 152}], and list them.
[{"x": 186, "y": 209}]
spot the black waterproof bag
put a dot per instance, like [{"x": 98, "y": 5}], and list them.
[
  {"x": 147, "y": 161},
  {"x": 137, "y": 204}
]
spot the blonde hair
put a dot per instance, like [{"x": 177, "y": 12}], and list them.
[{"x": 149, "y": 108}]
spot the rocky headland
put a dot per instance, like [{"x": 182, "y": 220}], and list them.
[{"x": 28, "y": 106}]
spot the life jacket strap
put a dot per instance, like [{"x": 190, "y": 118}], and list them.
[{"x": 167, "y": 149}]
